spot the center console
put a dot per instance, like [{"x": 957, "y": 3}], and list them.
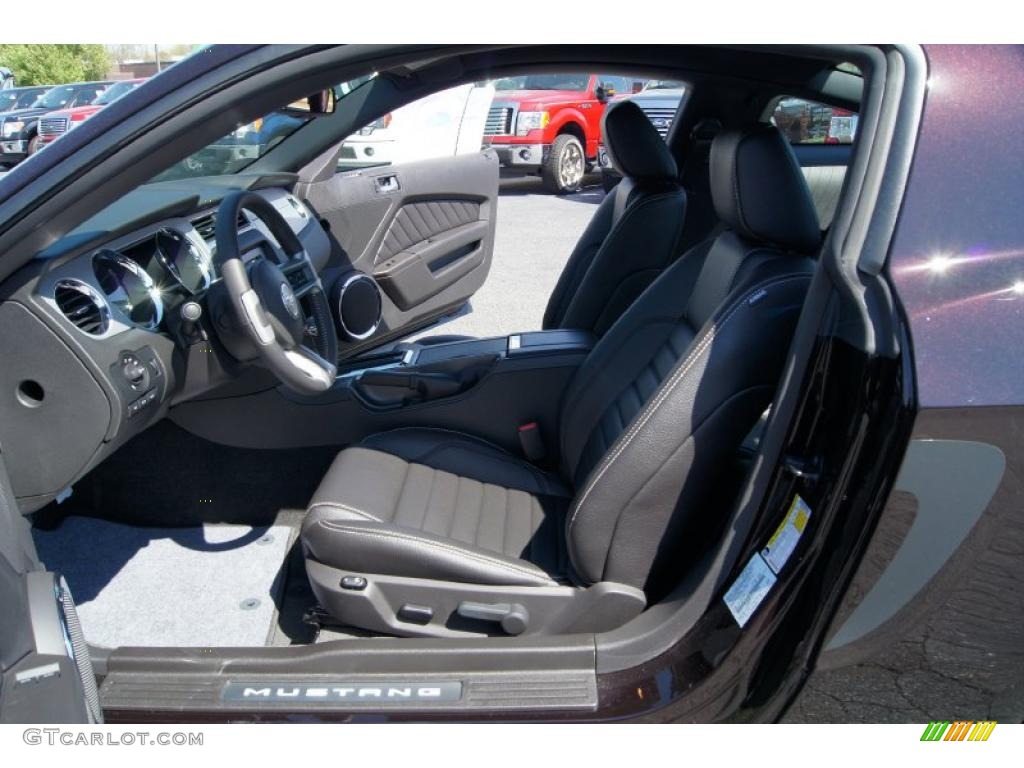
[
  {"x": 489, "y": 387},
  {"x": 412, "y": 374}
]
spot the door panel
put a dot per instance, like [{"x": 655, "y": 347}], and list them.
[
  {"x": 824, "y": 167},
  {"x": 423, "y": 230}
]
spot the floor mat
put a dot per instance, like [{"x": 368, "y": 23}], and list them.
[{"x": 208, "y": 586}]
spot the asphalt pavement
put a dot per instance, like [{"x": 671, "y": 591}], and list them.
[{"x": 536, "y": 232}]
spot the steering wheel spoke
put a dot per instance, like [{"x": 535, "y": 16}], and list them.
[
  {"x": 268, "y": 298},
  {"x": 311, "y": 365}
]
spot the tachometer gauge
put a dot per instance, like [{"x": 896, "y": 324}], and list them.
[
  {"x": 129, "y": 288},
  {"x": 184, "y": 261}
]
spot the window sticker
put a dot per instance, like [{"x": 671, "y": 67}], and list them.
[
  {"x": 782, "y": 543},
  {"x": 750, "y": 589}
]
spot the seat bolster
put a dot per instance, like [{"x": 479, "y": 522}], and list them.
[
  {"x": 632, "y": 516},
  {"x": 348, "y": 543},
  {"x": 361, "y": 484}
]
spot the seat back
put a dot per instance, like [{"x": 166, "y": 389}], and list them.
[
  {"x": 633, "y": 235},
  {"x": 655, "y": 415}
]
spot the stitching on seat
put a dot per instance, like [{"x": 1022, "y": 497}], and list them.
[
  {"x": 345, "y": 508},
  {"x": 669, "y": 387},
  {"x": 437, "y": 545},
  {"x": 573, "y": 403}
]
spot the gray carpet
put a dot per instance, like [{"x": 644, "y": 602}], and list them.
[{"x": 205, "y": 586}]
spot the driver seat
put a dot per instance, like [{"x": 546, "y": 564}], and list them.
[{"x": 428, "y": 532}]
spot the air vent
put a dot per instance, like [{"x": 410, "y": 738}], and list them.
[
  {"x": 82, "y": 306},
  {"x": 206, "y": 225}
]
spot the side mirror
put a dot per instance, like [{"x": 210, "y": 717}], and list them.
[
  {"x": 601, "y": 94},
  {"x": 319, "y": 103}
]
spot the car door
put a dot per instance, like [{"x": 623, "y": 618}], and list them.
[
  {"x": 46, "y": 674},
  {"x": 412, "y": 207}
]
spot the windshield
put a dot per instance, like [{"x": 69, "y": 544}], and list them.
[
  {"x": 28, "y": 97},
  {"x": 248, "y": 142},
  {"x": 543, "y": 83},
  {"x": 664, "y": 85},
  {"x": 55, "y": 98},
  {"x": 8, "y": 100},
  {"x": 116, "y": 91}
]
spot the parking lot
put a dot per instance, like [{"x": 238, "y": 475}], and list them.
[{"x": 536, "y": 232}]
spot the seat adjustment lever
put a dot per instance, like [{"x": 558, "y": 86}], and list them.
[{"x": 512, "y": 617}]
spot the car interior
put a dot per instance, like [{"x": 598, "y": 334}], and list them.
[{"x": 214, "y": 420}]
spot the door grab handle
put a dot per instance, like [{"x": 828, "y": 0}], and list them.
[{"x": 386, "y": 184}]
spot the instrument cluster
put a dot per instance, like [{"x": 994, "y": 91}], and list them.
[{"x": 140, "y": 280}]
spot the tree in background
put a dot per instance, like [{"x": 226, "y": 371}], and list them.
[{"x": 40, "y": 64}]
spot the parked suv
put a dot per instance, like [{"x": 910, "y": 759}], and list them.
[
  {"x": 55, "y": 124},
  {"x": 19, "y": 128},
  {"x": 659, "y": 100},
  {"x": 551, "y": 124}
]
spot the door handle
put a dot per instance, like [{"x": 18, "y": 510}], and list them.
[{"x": 386, "y": 184}]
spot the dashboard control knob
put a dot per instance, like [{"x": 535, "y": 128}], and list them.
[{"x": 135, "y": 373}]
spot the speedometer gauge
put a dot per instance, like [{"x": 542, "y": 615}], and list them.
[
  {"x": 129, "y": 288},
  {"x": 184, "y": 261}
]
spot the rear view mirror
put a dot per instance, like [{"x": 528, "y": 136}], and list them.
[{"x": 319, "y": 103}]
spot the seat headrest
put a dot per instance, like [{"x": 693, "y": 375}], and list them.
[
  {"x": 759, "y": 190},
  {"x": 634, "y": 145}
]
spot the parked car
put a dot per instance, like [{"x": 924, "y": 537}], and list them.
[
  {"x": 783, "y": 484},
  {"x": 443, "y": 124},
  {"x": 19, "y": 98},
  {"x": 19, "y": 128},
  {"x": 551, "y": 124},
  {"x": 55, "y": 124},
  {"x": 660, "y": 100}
]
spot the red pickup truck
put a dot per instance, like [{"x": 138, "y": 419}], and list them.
[
  {"x": 551, "y": 124},
  {"x": 55, "y": 124}
]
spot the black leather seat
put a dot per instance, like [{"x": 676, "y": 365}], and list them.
[
  {"x": 446, "y": 523},
  {"x": 632, "y": 237},
  {"x": 634, "y": 234}
]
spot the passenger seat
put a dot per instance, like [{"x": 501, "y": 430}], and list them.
[{"x": 633, "y": 236}]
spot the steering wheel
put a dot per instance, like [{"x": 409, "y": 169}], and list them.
[{"x": 265, "y": 304}]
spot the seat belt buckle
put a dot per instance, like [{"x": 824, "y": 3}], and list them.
[{"x": 531, "y": 442}]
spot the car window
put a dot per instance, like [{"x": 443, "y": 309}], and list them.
[
  {"x": 248, "y": 142},
  {"x": 28, "y": 98},
  {"x": 443, "y": 124},
  {"x": 617, "y": 85},
  {"x": 88, "y": 95},
  {"x": 810, "y": 122},
  {"x": 56, "y": 98},
  {"x": 114, "y": 92},
  {"x": 556, "y": 82}
]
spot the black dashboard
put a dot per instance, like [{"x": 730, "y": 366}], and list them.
[{"x": 100, "y": 327}]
